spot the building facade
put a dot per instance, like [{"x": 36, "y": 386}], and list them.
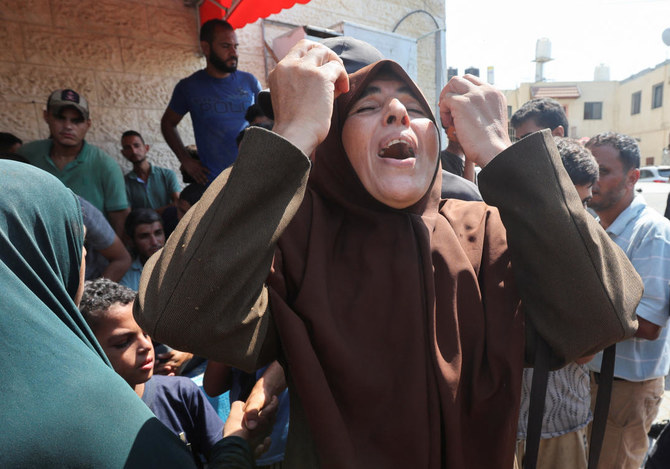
[{"x": 638, "y": 106}]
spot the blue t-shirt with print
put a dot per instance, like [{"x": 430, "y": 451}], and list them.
[
  {"x": 217, "y": 107},
  {"x": 182, "y": 407}
]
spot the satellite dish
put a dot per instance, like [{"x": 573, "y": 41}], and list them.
[{"x": 666, "y": 37}]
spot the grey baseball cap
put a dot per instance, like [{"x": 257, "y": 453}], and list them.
[
  {"x": 61, "y": 99},
  {"x": 355, "y": 54}
]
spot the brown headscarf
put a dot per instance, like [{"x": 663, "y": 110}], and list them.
[{"x": 400, "y": 328}]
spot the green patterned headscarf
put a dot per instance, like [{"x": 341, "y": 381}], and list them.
[{"x": 61, "y": 403}]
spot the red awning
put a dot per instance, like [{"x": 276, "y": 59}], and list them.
[{"x": 239, "y": 13}]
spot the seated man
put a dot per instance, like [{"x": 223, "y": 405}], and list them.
[
  {"x": 9, "y": 143},
  {"x": 84, "y": 168},
  {"x": 106, "y": 256},
  {"x": 144, "y": 229},
  {"x": 147, "y": 186},
  {"x": 255, "y": 116},
  {"x": 187, "y": 198},
  {"x": 178, "y": 403}
]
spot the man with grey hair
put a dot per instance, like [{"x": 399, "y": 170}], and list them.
[{"x": 642, "y": 361}]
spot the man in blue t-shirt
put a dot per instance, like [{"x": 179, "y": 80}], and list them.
[{"x": 217, "y": 99}]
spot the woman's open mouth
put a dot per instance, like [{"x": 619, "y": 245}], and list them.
[{"x": 397, "y": 149}]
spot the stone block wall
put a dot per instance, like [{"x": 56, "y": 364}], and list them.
[{"x": 126, "y": 56}]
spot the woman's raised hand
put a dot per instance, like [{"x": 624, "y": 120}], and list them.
[
  {"x": 303, "y": 86},
  {"x": 478, "y": 112}
]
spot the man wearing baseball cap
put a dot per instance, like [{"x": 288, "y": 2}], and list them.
[{"x": 84, "y": 168}]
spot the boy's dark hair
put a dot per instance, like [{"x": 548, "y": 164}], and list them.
[
  {"x": 132, "y": 133},
  {"x": 207, "y": 29},
  {"x": 545, "y": 112},
  {"x": 140, "y": 216},
  {"x": 99, "y": 295},
  {"x": 264, "y": 125},
  {"x": 13, "y": 157},
  {"x": 7, "y": 141},
  {"x": 192, "y": 193},
  {"x": 192, "y": 151},
  {"x": 629, "y": 152},
  {"x": 578, "y": 161},
  {"x": 254, "y": 111}
]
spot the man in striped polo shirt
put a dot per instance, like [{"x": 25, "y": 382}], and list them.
[{"x": 642, "y": 361}]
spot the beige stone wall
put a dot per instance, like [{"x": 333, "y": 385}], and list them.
[{"x": 125, "y": 57}]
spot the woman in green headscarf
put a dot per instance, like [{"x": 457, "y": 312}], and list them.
[{"x": 61, "y": 403}]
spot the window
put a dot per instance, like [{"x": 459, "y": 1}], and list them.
[
  {"x": 635, "y": 100},
  {"x": 645, "y": 173},
  {"x": 657, "y": 96},
  {"x": 593, "y": 110}
]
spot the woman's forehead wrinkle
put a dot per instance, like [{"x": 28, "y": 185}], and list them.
[{"x": 372, "y": 89}]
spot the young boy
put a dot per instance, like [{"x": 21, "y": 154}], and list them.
[{"x": 176, "y": 401}]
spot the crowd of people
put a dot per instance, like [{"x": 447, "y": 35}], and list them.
[{"x": 365, "y": 298}]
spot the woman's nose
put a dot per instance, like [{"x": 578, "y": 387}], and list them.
[{"x": 396, "y": 113}]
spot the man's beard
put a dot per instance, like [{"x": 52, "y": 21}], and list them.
[
  {"x": 608, "y": 199},
  {"x": 219, "y": 64}
]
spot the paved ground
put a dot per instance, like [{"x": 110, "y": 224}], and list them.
[{"x": 664, "y": 411}]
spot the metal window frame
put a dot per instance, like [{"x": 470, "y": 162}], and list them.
[
  {"x": 656, "y": 103},
  {"x": 593, "y": 105}
]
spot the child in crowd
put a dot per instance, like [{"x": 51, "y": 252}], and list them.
[
  {"x": 176, "y": 401},
  {"x": 187, "y": 198}
]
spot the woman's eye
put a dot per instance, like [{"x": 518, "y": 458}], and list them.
[
  {"x": 418, "y": 112},
  {"x": 364, "y": 109}
]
